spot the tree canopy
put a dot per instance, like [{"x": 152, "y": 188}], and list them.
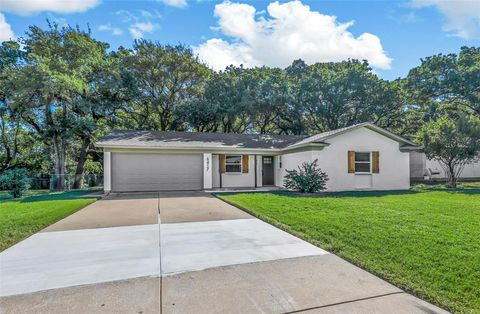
[{"x": 61, "y": 89}]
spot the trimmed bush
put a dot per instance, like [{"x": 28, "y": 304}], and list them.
[
  {"x": 15, "y": 181},
  {"x": 309, "y": 178}
]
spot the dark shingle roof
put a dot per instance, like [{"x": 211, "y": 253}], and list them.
[{"x": 172, "y": 139}]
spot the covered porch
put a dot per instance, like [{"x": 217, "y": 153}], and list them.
[{"x": 230, "y": 171}]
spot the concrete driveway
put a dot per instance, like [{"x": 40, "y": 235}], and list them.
[{"x": 181, "y": 252}]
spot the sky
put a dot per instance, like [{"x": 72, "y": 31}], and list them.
[{"x": 392, "y": 35}]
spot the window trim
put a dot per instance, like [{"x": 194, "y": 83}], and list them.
[
  {"x": 235, "y": 164},
  {"x": 363, "y": 162}
]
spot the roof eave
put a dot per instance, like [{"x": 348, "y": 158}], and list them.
[
  {"x": 410, "y": 148},
  {"x": 311, "y": 145},
  {"x": 198, "y": 148}
]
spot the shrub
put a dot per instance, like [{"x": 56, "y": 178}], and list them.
[
  {"x": 309, "y": 178},
  {"x": 15, "y": 181}
]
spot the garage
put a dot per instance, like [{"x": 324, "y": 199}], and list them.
[{"x": 156, "y": 172}]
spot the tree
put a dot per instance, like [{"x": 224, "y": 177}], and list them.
[
  {"x": 164, "y": 79},
  {"x": 49, "y": 84},
  {"x": 451, "y": 81},
  {"x": 453, "y": 143},
  {"x": 335, "y": 95},
  {"x": 95, "y": 108},
  {"x": 267, "y": 97},
  {"x": 10, "y": 125},
  {"x": 222, "y": 107},
  {"x": 15, "y": 181}
]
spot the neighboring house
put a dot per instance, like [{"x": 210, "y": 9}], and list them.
[
  {"x": 422, "y": 168},
  {"x": 360, "y": 157}
]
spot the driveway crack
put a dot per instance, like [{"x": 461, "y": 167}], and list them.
[{"x": 344, "y": 302}]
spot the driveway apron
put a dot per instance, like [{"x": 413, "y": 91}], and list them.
[{"x": 183, "y": 252}]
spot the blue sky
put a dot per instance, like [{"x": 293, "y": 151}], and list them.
[{"x": 392, "y": 35}]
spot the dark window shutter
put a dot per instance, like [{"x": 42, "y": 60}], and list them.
[
  {"x": 245, "y": 163},
  {"x": 376, "y": 162},
  {"x": 221, "y": 163},
  {"x": 351, "y": 161}
]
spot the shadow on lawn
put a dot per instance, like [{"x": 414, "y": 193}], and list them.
[
  {"x": 46, "y": 196},
  {"x": 467, "y": 191},
  {"x": 349, "y": 193}
]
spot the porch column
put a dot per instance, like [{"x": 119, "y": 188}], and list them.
[
  {"x": 255, "y": 173},
  {"x": 207, "y": 170},
  {"x": 107, "y": 172},
  {"x": 259, "y": 170}
]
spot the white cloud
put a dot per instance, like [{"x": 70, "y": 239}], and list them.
[
  {"x": 152, "y": 14},
  {"x": 117, "y": 31},
  {"x": 462, "y": 16},
  {"x": 291, "y": 31},
  {"x": 140, "y": 22},
  {"x": 6, "y": 32},
  {"x": 26, "y": 7},
  {"x": 109, "y": 28},
  {"x": 138, "y": 29},
  {"x": 126, "y": 16},
  {"x": 145, "y": 27},
  {"x": 175, "y": 3}
]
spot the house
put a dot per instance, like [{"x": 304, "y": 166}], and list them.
[
  {"x": 422, "y": 168},
  {"x": 359, "y": 157}
]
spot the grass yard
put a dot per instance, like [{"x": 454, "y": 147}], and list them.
[
  {"x": 38, "y": 209},
  {"x": 424, "y": 241}
]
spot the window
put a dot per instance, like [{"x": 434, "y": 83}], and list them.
[
  {"x": 363, "y": 162},
  {"x": 267, "y": 160},
  {"x": 233, "y": 164},
  {"x": 279, "y": 161}
]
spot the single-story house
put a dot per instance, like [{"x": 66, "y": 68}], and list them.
[{"x": 359, "y": 157}]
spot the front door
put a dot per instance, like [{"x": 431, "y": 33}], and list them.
[{"x": 267, "y": 170}]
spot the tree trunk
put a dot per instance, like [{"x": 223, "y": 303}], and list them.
[
  {"x": 452, "y": 179},
  {"x": 81, "y": 163},
  {"x": 59, "y": 152}
]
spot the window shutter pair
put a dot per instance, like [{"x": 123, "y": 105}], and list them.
[
  {"x": 375, "y": 162},
  {"x": 222, "y": 163}
]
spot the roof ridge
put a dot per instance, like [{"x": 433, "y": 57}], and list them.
[{"x": 216, "y": 133}]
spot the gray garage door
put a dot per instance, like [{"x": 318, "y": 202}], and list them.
[{"x": 156, "y": 172}]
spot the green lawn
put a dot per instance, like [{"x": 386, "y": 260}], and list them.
[
  {"x": 424, "y": 241},
  {"x": 39, "y": 209}
]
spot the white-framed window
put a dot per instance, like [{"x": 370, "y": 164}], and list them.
[
  {"x": 363, "y": 162},
  {"x": 233, "y": 164}
]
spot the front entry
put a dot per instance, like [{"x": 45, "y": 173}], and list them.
[{"x": 267, "y": 170}]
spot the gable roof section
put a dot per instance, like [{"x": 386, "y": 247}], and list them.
[
  {"x": 185, "y": 140},
  {"x": 171, "y": 139},
  {"x": 322, "y": 137}
]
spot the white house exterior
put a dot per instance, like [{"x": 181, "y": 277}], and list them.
[{"x": 360, "y": 157}]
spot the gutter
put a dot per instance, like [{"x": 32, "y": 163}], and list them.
[{"x": 218, "y": 149}]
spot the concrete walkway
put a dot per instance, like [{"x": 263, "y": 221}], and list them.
[{"x": 204, "y": 256}]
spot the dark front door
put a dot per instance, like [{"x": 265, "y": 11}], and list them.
[{"x": 267, "y": 170}]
